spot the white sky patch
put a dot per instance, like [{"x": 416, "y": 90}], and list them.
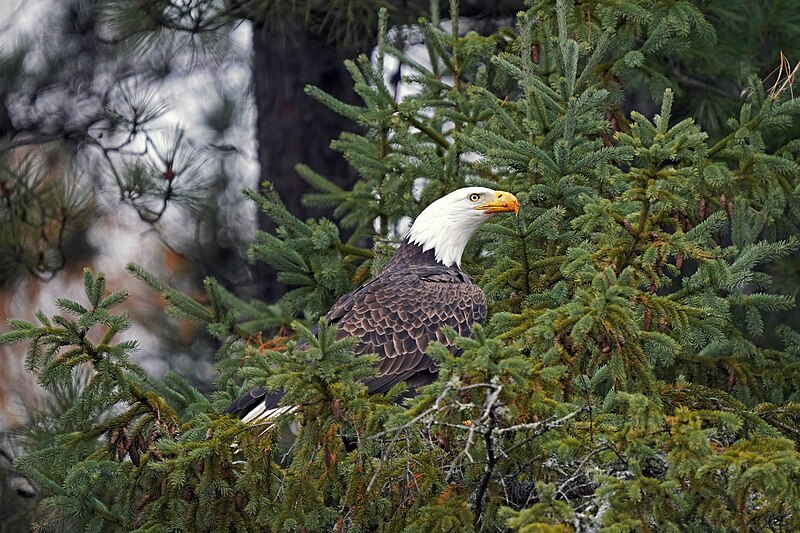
[
  {"x": 20, "y": 18},
  {"x": 403, "y": 226}
]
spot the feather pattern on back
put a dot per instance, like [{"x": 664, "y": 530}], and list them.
[{"x": 395, "y": 315}]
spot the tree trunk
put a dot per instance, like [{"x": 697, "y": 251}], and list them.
[{"x": 293, "y": 127}]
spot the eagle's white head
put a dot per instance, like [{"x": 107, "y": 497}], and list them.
[{"x": 448, "y": 223}]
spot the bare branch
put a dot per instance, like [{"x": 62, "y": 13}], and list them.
[{"x": 538, "y": 427}]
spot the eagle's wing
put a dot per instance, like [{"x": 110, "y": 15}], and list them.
[
  {"x": 396, "y": 316},
  {"x": 400, "y": 312}
]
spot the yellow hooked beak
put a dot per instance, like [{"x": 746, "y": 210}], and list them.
[{"x": 503, "y": 202}]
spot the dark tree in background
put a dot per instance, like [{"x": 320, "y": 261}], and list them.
[{"x": 291, "y": 127}]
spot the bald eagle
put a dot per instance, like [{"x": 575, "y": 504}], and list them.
[{"x": 402, "y": 309}]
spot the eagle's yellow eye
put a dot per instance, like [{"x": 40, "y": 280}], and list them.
[{"x": 474, "y": 197}]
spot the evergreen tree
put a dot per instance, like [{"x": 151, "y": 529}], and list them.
[{"x": 627, "y": 379}]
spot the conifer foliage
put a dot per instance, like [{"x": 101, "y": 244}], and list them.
[{"x": 629, "y": 377}]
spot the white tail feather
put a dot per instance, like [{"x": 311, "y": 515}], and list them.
[{"x": 261, "y": 413}]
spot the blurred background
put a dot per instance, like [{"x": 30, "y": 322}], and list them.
[{"x": 115, "y": 151}]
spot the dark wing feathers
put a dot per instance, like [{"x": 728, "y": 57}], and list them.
[
  {"x": 250, "y": 399},
  {"x": 397, "y": 314}
]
